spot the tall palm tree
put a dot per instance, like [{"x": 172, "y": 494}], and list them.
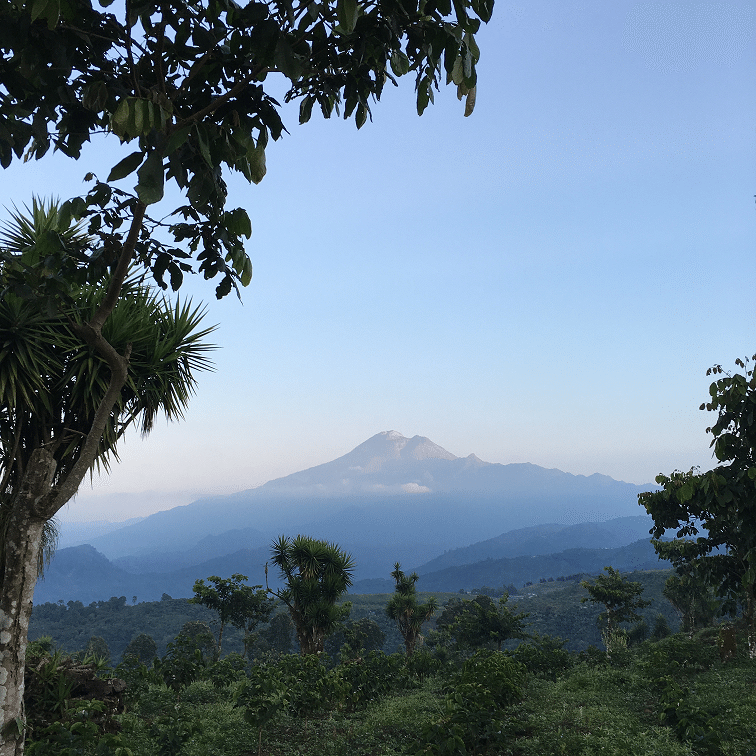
[
  {"x": 316, "y": 575},
  {"x": 61, "y": 411}
]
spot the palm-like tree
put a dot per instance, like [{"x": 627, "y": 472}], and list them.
[
  {"x": 316, "y": 574},
  {"x": 405, "y": 609},
  {"x": 62, "y": 408},
  {"x": 51, "y": 384}
]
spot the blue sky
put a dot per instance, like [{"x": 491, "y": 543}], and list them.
[{"x": 546, "y": 281}]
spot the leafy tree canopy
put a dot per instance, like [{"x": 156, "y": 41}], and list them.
[
  {"x": 482, "y": 622},
  {"x": 619, "y": 596},
  {"x": 143, "y": 648},
  {"x": 714, "y": 513},
  {"x": 234, "y": 602},
  {"x": 188, "y": 87}
]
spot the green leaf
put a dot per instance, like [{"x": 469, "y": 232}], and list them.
[
  {"x": 151, "y": 178},
  {"x": 95, "y": 96},
  {"x": 139, "y": 112},
  {"x": 238, "y": 222},
  {"x": 347, "y": 12},
  {"x": 361, "y": 116},
  {"x": 177, "y": 277},
  {"x": 257, "y": 168},
  {"x": 400, "y": 64},
  {"x": 470, "y": 101},
  {"x": 424, "y": 94},
  {"x": 305, "y": 109},
  {"x": 177, "y": 138},
  {"x": 119, "y": 121},
  {"x": 286, "y": 61},
  {"x": 246, "y": 274},
  {"x": 458, "y": 70},
  {"x": 46, "y": 9},
  {"x": 473, "y": 45},
  {"x": 126, "y": 166},
  {"x": 203, "y": 144}
]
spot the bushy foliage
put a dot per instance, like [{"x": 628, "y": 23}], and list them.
[
  {"x": 373, "y": 676},
  {"x": 475, "y": 708},
  {"x": 79, "y": 733},
  {"x": 183, "y": 663},
  {"x": 143, "y": 648},
  {"x": 243, "y": 606},
  {"x": 619, "y": 596},
  {"x": 661, "y": 627},
  {"x": 544, "y": 655}
]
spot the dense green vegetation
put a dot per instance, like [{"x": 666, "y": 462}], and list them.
[
  {"x": 670, "y": 695},
  {"x": 554, "y": 608}
]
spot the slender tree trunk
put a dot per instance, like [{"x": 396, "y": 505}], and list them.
[
  {"x": 750, "y": 621},
  {"x": 22, "y": 542},
  {"x": 409, "y": 643},
  {"x": 220, "y": 640}
]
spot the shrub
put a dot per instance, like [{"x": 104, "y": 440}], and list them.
[
  {"x": 372, "y": 677},
  {"x": 474, "y": 715},
  {"x": 544, "y": 656}
]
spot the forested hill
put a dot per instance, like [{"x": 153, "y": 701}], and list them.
[
  {"x": 82, "y": 574},
  {"x": 554, "y": 608}
]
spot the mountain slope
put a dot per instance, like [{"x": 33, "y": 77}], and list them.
[
  {"x": 388, "y": 490},
  {"x": 519, "y": 570},
  {"x": 547, "y": 539},
  {"x": 82, "y": 574}
]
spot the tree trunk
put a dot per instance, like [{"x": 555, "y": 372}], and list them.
[
  {"x": 409, "y": 643},
  {"x": 311, "y": 640},
  {"x": 22, "y": 542},
  {"x": 750, "y": 621},
  {"x": 220, "y": 640}
]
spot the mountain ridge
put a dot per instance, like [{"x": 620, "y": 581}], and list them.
[
  {"x": 81, "y": 573},
  {"x": 387, "y": 484}
]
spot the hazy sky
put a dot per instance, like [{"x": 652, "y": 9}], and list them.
[{"x": 546, "y": 281}]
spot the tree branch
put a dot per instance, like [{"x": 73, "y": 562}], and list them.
[
  {"x": 215, "y": 104},
  {"x": 91, "y": 334},
  {"x": 121, "y": 270}
]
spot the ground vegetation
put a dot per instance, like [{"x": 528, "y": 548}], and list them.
[{"x": 673, "y": 696}]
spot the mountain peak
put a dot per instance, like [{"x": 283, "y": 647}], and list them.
[
  {"x": 393, "y": 445},
  {"x": 386, "y": 463}
]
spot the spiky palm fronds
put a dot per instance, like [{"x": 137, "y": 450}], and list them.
[
  {"x": 50, "y": 535},
  {"x": 405, "y": 609},
  {"x": 317, "y": 574},
  {"x": 51, "y": 383},
  {"x": 42, "y": 226}
]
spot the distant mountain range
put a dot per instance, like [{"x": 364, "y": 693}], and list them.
[
  {"x": 81, "y": 573},
  {"x": 390, "y": 499}
]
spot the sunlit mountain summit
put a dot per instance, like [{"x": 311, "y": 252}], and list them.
[{"x": 386, "y": 463}]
